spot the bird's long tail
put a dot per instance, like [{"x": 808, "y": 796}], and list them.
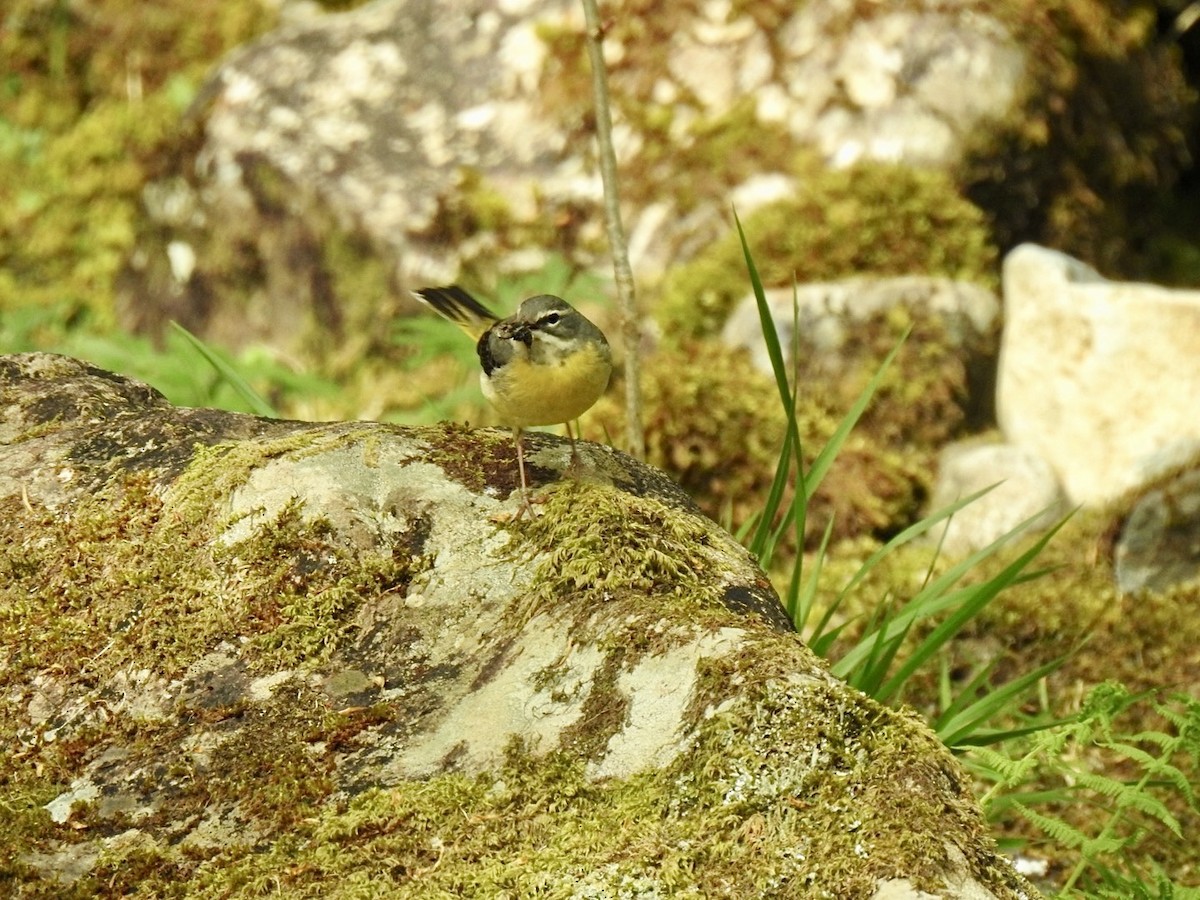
[{"x": 459, "y": 307}]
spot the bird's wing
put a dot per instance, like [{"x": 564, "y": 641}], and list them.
[{"x": 459, "y": 307}]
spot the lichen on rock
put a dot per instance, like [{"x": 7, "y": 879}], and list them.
[{"x": 241, "y": 653}]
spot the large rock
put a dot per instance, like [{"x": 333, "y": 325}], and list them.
[
  {"x": 428, "y": 135},
  {"x": 1095, "y": 376},
  {"x": 242, "y": 655},
  {"x": 906, "y": 85}
]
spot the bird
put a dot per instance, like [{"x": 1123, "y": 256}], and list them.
[{"x": 546, "y": 364}]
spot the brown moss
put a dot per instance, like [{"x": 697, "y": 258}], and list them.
[
  {"x": 716, "y": 426},
  {"x": 1088, "y": 160}
]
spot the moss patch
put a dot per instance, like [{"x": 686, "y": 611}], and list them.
[
  {"x": 734, "y": 818},
  {"x": 92, "y": 99},
  {"x": 869, "y": 219}
]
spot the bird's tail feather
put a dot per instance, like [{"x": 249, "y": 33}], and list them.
[{"x": 459, "y": 307}]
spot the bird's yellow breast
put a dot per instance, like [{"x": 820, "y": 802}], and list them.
[{"x": 550, "y": 392}]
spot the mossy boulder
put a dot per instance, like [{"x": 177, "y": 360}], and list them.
[
  {"x": 872, "y": 219},
  {"x": 323, "y": 659}
]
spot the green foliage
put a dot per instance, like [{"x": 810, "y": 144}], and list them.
[
  {"x": 187, "y": 371},
  {"x": 229, "y": 374},
  {"x": 869, "y": 219},
  {"x": 1139, "y": 813},
  {"x": 874, "y": 664},
  {"x": 1056, "y": 777}
]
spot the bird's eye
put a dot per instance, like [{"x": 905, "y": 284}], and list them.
[{"x": 552, "y": 319}]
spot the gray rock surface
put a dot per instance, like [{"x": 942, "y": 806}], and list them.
[
  {"x": 829, "y": 316},
  {"x": 239, "y": 652},
  {"x": 400, "y": 128},
  {"x": 1158, "y": 544},
  {"x": 908, "y": 85}
]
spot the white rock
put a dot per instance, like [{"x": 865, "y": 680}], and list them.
[
  {"x": 1095, "y": 375},
  {"x": 1025, "y": 486}
]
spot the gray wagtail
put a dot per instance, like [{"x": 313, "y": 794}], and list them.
[{"x": 545, "y": 364}]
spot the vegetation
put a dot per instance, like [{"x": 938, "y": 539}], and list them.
[
  {"x": 1012, "y": 671},
  {"x": 1043, "y": 782}
]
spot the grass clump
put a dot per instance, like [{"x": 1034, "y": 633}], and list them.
[{"x": 1037, "y": 768}]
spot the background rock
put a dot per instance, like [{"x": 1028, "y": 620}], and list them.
[
  {"x": 1024, "y": 486},
  {"x": 1158, "y": 542},
  {"x": 1095, "y": 376},
  {"x": 352, "y": 158},
  {"x": 826, "y": 320}
]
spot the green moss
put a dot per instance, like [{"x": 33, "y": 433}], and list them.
[
  {"x": 538, "y": 826},
  {"x": 148, "y": 578},
  {"x": 93, "y": 103},
  {"x": 134, "y": 581},
  {"x": 625, "y": 544},
  {"x": 870, "y": 219},
  {"x": 136, "y": 586}
]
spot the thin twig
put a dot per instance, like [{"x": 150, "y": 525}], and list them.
[{"x": 622, "y": 272}]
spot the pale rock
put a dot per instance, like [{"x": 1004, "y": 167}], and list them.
[
  {"x": 1024, "y": 489},
  {"x": 827, "y": 313},
  {"x": 1095, "y": 376}
]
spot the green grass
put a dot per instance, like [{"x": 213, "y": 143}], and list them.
[
  {"x": 186, "y": 370},
  {"x": 883, "y": 659},
  {"x": 1037, "y": 768}
]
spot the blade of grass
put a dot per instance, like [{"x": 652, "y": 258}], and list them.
[
  {"x": 257, "y": 403},
  {"x": 911, "y": 533},
  {"x": 977, "y": 599},
  {"x": 962, "y": 719},
  {"x": 801, "y": 593},
  {"x": 939, "y": 595},
  {"x": 868, "y": 677},
  {"x": 791, "y": 443}
]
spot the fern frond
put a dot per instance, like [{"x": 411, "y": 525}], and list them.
[
  {"x": 998, "y": 767},
  {"x": 1056, "y": 829}
]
